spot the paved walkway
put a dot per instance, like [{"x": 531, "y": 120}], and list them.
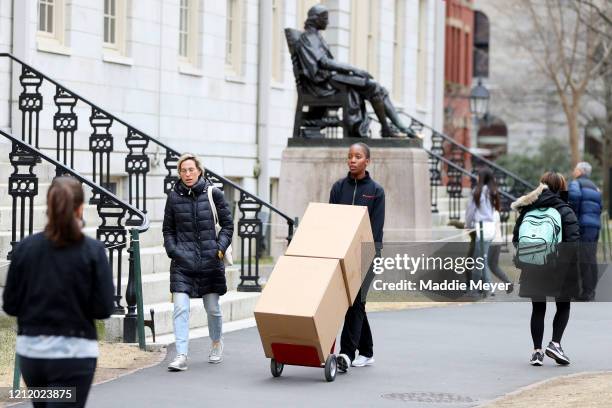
[{"x": 458, "y": 356}]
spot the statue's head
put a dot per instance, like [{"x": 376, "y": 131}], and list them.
[{"x": 318, "y": 17}]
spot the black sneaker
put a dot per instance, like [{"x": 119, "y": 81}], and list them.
[
  {"x": 557, "y": 354},
  {"x": 343, "y": 362},
  {"x": 537, "y": 359}
]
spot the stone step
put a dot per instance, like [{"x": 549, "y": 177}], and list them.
[
  {"x": 44, "y": 172},
  {"x": 166, "y": 339},
  {"x": 443, "y": 193},
  {"x": 234, "y": 306},
  {"x": 156, "y": 286},
  {"x": 90, "y": 215},
  {"x": 40, "y": 199},
  {"x": 441, "y": 218}
]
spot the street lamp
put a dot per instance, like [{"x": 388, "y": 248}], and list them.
[{"x": 479, "y": 100}]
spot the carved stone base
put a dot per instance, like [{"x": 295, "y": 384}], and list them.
[{"x": 308, "y": 172}]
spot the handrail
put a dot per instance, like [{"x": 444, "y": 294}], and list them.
[
  {"x": 289, "y": 219},
  {"x": 144, "y": 226},
  {"x": 417, "y": 123},
  {"x": 465, "y": 172}
]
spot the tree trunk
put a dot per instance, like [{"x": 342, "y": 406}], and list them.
[{"x": 574, "y": 136}]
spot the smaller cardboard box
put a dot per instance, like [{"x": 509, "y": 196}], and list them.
[
  {"x": 339, "y": 232},
  {"x": 303, "y": 304}
]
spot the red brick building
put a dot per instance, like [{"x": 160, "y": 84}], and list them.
[{"x": 458, "y": 69}]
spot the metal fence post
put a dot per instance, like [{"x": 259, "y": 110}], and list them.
[
  {"x": 16, "y": 374},
  {"x": 135, "y": 240}
]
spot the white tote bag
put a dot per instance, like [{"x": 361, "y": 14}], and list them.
[
  {"x": 488, "y": 230},
  {"x": 228, "y": 260}
]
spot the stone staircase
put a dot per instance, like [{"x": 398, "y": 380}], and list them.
[
  {"x": 442, "y": 217},
  {"x": 155, "y": 265}
]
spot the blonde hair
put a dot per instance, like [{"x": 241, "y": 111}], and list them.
[{"x": 189, "y": 156}]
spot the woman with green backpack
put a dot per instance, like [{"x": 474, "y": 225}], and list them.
[{"x": 543, "y": 237}]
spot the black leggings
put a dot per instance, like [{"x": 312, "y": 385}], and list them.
[
  {"x": 61, "y": 372},
  {"x": 559, "y": 322}
]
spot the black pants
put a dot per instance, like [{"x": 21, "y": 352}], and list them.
[
  {"x": 62, "y": 372},
  {"x": 588, "y": 260},
  {"x": 356, "y": 333},
  {"x": 559, "y": 322}
]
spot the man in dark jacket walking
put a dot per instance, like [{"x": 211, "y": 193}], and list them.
[
  {"x": 191, "y": 241},
  {"x": 586, "y": 201},
  {"x": 357, "y": 188}
]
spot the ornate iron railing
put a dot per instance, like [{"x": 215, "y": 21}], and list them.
[
  {"x": 23, "y": 186},
  {"x": 459, "y": 171},
  {"x": 451, "y": 162},
  {"x": 102, "y": 143}
]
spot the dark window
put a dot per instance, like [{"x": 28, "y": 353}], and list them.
[{"x": 481, "y": 45}]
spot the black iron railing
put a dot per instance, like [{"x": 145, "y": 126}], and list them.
[
  {"x": 102, "y": 143},
  {"x": 450, "y": 163},
  {"x": 113, "y": 213},
  {"x": 457, "y": 171}
]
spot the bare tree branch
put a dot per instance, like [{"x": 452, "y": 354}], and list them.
[{"x": 607, "y": 18}]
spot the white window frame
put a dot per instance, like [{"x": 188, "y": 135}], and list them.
[
  {"x": 233, "y": 37},
  {"x": 189, "y": 60},
  {"x": 422, "y": 56},
  {"x": 398, "y": 50},
  {"x": 53, "y": 41},
  {"x": 278, "y": 51},
  {"x": 365, "y": 13},
  {"x": 116, "y": 51}
]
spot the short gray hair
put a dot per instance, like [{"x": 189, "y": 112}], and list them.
[{"x": 585, "y": 168}]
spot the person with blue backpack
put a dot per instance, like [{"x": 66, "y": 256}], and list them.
[
  {"x": 585, "y": 200},
  {"x": 544, "y": 236}
]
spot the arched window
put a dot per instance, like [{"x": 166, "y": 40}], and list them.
[
  {"x": 493, "y": 137},
  {"x": 481, "y": 45}
]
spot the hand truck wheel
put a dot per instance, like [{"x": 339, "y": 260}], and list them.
[
  {"x": 276, "y": 368},
  {"x": 331, "y": 367}
]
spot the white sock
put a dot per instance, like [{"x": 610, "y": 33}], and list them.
[{"x": 556, "y": 344}]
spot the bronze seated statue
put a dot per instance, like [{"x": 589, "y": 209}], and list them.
[{"x": 322, "y": 83}]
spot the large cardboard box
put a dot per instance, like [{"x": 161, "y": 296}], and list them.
[
  {"x": 302, "y": 304},
  {"x": 338, "y": 232}
]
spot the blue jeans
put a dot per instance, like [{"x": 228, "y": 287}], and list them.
[
  {"x": 483, "y": 273},
  {"x": 181, "y": 319}
]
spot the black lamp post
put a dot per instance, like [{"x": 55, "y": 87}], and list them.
[
  {"x": 479, "y": 100},
  {"x": 479, "y": 108}
]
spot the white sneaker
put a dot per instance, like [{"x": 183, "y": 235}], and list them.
[
  {"x": 344, "y": 362},
  {"x": 362, "y": 361},
  {"x": 179, "y": 363},
  {"x": 216, "y": 353}
]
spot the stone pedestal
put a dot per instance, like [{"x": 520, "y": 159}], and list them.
[{"x": 309, "y": 167}]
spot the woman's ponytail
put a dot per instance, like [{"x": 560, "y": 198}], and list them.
[{"x": 64, "y": 197}]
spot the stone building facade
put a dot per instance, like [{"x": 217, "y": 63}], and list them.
[{"x": 214, "y": 77}]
